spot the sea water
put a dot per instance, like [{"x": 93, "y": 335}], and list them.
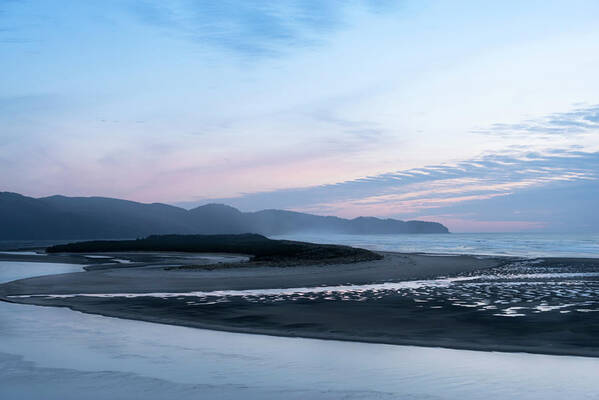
[
  {"x": 497, "y": 244},
  {"x": 55, "y": 353},
  {"x": 500, "y": 244}
]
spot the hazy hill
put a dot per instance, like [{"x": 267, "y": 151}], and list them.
[{"x": 60, "y": 217}]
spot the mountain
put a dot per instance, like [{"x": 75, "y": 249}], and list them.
[{"x": 60, "y": 217}]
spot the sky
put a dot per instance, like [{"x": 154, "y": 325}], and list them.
[{"x": 481, "y": 115}]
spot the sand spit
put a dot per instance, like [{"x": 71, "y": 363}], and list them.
[{"x": 499, "y": 304}]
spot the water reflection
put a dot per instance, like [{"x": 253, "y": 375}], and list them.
[
  {"x": 519, "y": 289},
  {"x": 13, "y": 270},
  {"x": 55, "y": 353}
]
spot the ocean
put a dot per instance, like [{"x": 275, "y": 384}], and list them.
[
  {"x": 530, "y": 245},
  {"x": 497, "y": 244}
]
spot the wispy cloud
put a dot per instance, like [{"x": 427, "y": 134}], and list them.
[
  {"x": 268, "y": 104},
  {"x": 250, "y": 28},
  {"x": 9, "y": 32},
  {"x": 579, "y": 121},
  {"x": 417, "y": 192}
]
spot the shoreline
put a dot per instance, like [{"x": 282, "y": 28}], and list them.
[
  {"x": 155, "y": 273},
  {"x": 371, "y": 321},
  {"x": 332, "y": 337}
]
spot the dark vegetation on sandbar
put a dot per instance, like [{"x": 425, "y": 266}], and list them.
[{"x": 259, "y": 247}]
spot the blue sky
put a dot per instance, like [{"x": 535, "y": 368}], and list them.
[{"x": 481, "y": 115}]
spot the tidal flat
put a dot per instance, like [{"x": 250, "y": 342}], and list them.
[{"x": 543, "y": 306}]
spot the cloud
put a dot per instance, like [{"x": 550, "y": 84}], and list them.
[
  {"x": 421, "y": 188},
  {"x": 12, "y": 32},
  {"x": 445, "y": 190},
  {"x": 562, "y": 206},
  {"x": 580, "y": 121},
  {"x": 253, "y": 28},
  {"x": 470, "y": 223}
]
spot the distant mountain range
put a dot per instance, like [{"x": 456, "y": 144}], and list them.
[{"x": 60, "y": 217}]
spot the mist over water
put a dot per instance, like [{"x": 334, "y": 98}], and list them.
[{"x": 497, "y": 244}]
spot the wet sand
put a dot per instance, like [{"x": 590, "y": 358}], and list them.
[
  {"x": 393, "y": 318},
  {"x": 157, "y": 276}
]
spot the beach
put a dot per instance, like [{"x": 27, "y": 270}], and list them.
[
  {"x": 426, "y": 307},
  {"x": 155, "y": 272}
]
